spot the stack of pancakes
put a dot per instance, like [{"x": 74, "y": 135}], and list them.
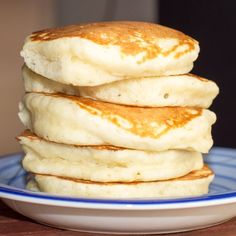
[{"x": 111, "y": 111}]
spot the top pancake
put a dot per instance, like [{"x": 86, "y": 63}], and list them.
[
  {"x": 98, "y": 53},
  {"x": 132, "y": 37}
]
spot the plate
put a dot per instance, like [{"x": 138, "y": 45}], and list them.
[{"x": 138, "y": 216}]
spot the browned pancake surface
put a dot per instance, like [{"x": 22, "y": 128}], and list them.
[
  {"x": 132, "y": 37},
  {"x": 143, "y": 121},
  {"x": 28, "y": 134}
]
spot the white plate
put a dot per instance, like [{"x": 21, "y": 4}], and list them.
[{"x": 125, "y": 216}]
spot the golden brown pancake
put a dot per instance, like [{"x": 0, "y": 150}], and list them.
[
  {"x": 98, "y": 53},
  {"x": 132, "y": 37},
  {"x": 143, "y": 121},
  {"x": 90, "y": 122}
]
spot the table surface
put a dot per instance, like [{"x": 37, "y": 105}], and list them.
[{"x": 12, "y": 223}]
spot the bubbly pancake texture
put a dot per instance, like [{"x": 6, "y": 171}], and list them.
[
  {"x": 196, "y": 183},
  {"x": 85, "y": 121},
  {"x": 97, "y": 53},
  {"x": 150, "y": 91},
  {"x": 105, "y": 163}
]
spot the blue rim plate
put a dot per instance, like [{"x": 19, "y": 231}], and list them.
[{"x": 222, "y": 190}]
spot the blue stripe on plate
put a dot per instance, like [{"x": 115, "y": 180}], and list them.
[
  {"x": 19, "y": 174},
  {"x": 118, "y": 201},
  {"x": 221, "y": 164},
  {"x": 226, "y": 177},
  {"x": 9, "y": 166},
  {"x": 220, "y": 187}
]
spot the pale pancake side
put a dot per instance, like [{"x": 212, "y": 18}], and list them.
[
  {"x": 105, "y": 163},
  {"x": 196, "y": 183},
  {"x": 178, "y": 90}
]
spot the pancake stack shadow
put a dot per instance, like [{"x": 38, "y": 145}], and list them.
[{"x": 112, "y": 111}]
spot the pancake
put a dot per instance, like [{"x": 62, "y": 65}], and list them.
[
  {"x": 36, "y": 83},
  {"x": 195, "y": 183},
  {"x": 105, "y": 163},
  {"x": 153, "y": 91},
  {"x": 82, "y": 121},
  {"x": 97, "y": 53},
  {"x": 179, "y": 90}
]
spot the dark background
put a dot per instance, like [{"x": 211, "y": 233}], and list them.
[{"x": 213, "y": 24}]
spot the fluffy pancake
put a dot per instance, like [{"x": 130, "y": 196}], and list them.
[
  {"x": 195, "y": 183},
  {"x": 179, "y": 90},
  {"x": 105, "y": 163},
  {"x": 82, "y": 121},
  {"x": 97, "y": 53},
  {"x": 153, "y": 91},
  {"x": 36, "y": 83}
]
